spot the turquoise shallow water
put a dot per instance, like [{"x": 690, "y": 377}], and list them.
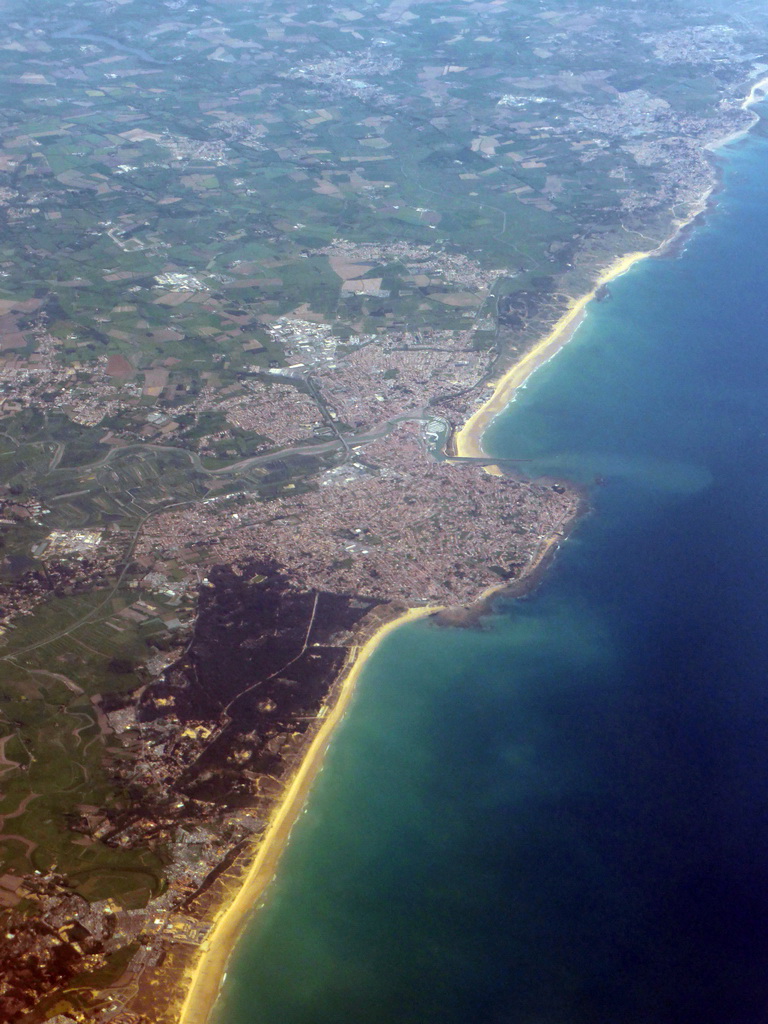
[{"x": 562, "y": 817}]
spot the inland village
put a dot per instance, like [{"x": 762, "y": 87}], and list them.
[{"x": 268, "y": 271}]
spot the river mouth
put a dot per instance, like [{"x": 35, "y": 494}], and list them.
[{"x": 559, "y": 817}]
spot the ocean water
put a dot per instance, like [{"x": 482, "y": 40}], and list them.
[{"x": 562, "y": 817}]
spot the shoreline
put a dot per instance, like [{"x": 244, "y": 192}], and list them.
[
  {"x": 468, "y": 615},
  {"x": 207, "y": 973},
  {"x": 467, "y": 440}
]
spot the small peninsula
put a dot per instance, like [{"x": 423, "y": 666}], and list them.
[{"x": 268, "y": 273}]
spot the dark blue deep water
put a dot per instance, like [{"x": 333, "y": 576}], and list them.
[{"x": 562, "y": 817}]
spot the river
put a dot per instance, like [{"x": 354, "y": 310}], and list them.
[{"x": 561, "y": 817}]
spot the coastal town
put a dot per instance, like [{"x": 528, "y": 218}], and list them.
[
  {"x": 261, "y": 271},
  {"x": 398, "y": 526}
]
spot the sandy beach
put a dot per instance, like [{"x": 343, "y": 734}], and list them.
[
  {"x": 467, "y": 440},
  {"x": 207, "y": 972}
]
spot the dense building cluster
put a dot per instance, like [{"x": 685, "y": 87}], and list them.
[
  {"x": 403, "y": 527},
  {"x": 252, "y": 268},
  {"x": 376, "y": 383},
  {"x": 279, "y": 413}
]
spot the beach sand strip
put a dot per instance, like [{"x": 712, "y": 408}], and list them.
[
  {"x": 207, "y": 972},
  {"x": 467, "y": 441}
]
